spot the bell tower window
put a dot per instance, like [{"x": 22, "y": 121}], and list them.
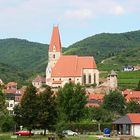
[{"x": 54, "y": 56}]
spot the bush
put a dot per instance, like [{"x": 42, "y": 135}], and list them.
[{"x": 87, "y": 127}]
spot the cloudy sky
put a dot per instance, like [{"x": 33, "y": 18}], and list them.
[{"x": 77, "y": 19}]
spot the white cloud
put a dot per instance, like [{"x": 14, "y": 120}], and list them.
[
  {"x": 79, "y": 13},
  {"x": 119, "y": 10}
]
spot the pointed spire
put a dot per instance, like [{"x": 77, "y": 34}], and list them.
[{"x": 55, "y": 44}]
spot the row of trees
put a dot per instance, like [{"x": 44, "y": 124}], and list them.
[
  {"x": 47, "y": 111},
  {"x": 44, "y": 110}
]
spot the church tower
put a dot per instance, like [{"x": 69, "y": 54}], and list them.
[{"x": 54, "y": 52}]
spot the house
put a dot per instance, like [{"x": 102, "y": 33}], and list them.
[
  {"x": 128, "y": 125},
  {"x": 62, "y": 69},
  {"x": 137, "y": 67},
  {"x": 94, "y": 100},
  {"x": 131, "y": 95},
  {"x": 11, "y": 85},
  {"x": 39, "y": 81},
  {"x": 128, "y": 68},
  {"x": 13, "y": 96}
]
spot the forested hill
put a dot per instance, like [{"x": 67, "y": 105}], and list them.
[
  {"x": 21, "y": 59},
  {"x": 105, "y": 45},
  {"x": 23, "y": 54}
]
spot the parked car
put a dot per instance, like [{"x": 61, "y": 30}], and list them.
[
  {"x": 24, "y": 133},
  {"x": 69, "y": 133}
]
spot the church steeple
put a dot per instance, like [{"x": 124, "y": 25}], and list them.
[{"x": 55, "y": 44}]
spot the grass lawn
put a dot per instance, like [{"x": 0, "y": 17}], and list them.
[{"x": 38, "y": 137}]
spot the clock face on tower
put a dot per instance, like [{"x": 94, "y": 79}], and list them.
[{"x": 54, "y": 48}]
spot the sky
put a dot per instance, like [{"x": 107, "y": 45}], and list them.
[{"x": 77, "y": 19}]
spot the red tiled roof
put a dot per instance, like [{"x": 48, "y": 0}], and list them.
[
  {"x": 132, "y": 95},
  {"x": 96, "y": 96},
  {"x": 92, "y": 105},
  {"x": 137, "y": 67},
  {"x": 126, "y": 91},
  {"x": 55, "y": 40},
  {"x": 14, "y": 91},
  {"x": 11, "y": 84},
  {"x": 134, "y": 117},
  {"x": 72, "y": 66},
  {"x": 39, "y": 79}
]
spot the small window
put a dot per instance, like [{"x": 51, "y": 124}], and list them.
[
  {"x": 11, "y": 105},
  {"x": 95, "y": 78},
  {"x": 54, "y": 56},
  {"x": 69, "y": 79},
  {"x": 89, "y": 78},
  {"x": 84, "y": 79}
]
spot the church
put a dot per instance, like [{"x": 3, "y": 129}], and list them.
[{"x": 62, "y": 69}]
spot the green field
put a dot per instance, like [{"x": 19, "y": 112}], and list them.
[{"x": 125, "y": 79}]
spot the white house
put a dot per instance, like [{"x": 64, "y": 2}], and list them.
[{"x": 128, "y": 125}]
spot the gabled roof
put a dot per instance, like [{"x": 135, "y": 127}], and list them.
[
  {"x": 72, "y": 66},
  {"x": 55, "y": 43},
  {"x": 131, "y": 118}
]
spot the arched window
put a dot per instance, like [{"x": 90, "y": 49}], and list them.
[
  {"x": 94, "y": 78},
  {"x": 89, "y": 79},
  {"x": 54, "y": 56},
  {"x": 84, "y": 79}
]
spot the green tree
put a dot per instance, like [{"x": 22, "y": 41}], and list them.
[
  {"x": 133, "y": 107},
  {"x": 114, "y": 102},
  {"x": 17, "y": 116},
  {"x": 3, "y": 110},
  {"x": 71, "y": 102},
  {"x": 8, "y": 124},
  {"x": 138, "y": 87},
  {"x": 100, "y": 115},
  {"x": 47, "y": 109},
  {"x": 29, "y": 110}
]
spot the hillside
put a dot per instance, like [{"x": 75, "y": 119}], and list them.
[
  {"x": 25, "y": 59},
  {"x": 105, "y": 45},
  {"x": 23, "y": 54},
  {"x": 9, "y": 73},
  {"x": 129, "y": 56}
]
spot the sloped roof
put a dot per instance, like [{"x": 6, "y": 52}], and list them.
[
  {"x": 13, "y": 91},
  {"x": 131, "y": 118},
  {"x": 72, "y": 66},
  {"x": 11, "y": 84},
  {"x": 134, "y": 117},
  {"x": 132, "y": 94},
  {"x": 96, "y": 96},
  {"x": 123, "y": 120},
  {"x": 55, "y": 40}
]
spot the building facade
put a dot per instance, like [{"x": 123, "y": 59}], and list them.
[{"x": 62, "y": 69}]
